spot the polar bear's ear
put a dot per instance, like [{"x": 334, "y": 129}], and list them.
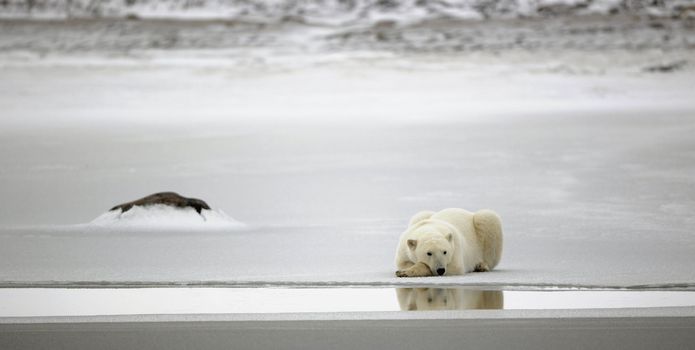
[
  {"x": 449, "y": 236},
  {"x": 412, "y": 243}
]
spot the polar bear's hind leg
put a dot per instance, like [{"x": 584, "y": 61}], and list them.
[
  {"x": 488, "y": 229},
  {"x": 481, "y": 267}
]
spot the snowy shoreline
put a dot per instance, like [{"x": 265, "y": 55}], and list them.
[
  {"x": 113, "y": 37},
  {"x": 336, "y": 12}
]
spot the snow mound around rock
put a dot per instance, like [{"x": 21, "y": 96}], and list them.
[{"x": 165, "y": 217}]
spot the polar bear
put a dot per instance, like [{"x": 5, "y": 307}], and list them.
[{"x": 450, "y": 242}]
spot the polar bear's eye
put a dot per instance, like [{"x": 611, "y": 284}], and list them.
[
  {"x": 445, "y": 252},
  {"x": 429, "y": 253}
]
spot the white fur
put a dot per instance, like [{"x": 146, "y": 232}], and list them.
[{"x": 471, "y": 240}]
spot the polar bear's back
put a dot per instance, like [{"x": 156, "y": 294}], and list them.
[
  {"x": 460, "y": 218},
  {"x": 481, "y": 233}
]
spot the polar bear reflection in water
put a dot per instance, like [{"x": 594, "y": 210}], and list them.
[{"x": 411, "y": 299}]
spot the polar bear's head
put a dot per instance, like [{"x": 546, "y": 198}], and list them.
[{"x": 434, "y": 249}]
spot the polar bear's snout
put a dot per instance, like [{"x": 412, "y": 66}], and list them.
[{"x": 439, "y": 267}]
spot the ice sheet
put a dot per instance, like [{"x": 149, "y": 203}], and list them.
[{"x": 587, "y": 157}]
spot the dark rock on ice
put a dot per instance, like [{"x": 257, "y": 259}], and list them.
[{"x": 165, "y": 198}]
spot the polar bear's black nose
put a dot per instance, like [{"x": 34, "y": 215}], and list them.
[{"x": 441, "y": 271}]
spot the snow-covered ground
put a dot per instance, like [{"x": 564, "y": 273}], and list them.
[
  {"x": 334, "y": 12},
  {"x": 324, "y": 148}
]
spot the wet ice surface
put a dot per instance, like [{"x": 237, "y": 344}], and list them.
[
  {"x": 324, "y": 155},
  {"x": 324, "y": 256},
  {"x": 591, "y": 199},
  {"x": 37, "y": 302}
]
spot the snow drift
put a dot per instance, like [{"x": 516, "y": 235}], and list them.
[{"x": 156, "y": 217}]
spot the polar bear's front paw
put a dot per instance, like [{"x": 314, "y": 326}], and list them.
[
  {"x": 418, "y": 270},
  {"x": 481, "y": 267}
]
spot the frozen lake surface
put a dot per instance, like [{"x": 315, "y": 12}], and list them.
[{"x": 319, "y": 151}]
